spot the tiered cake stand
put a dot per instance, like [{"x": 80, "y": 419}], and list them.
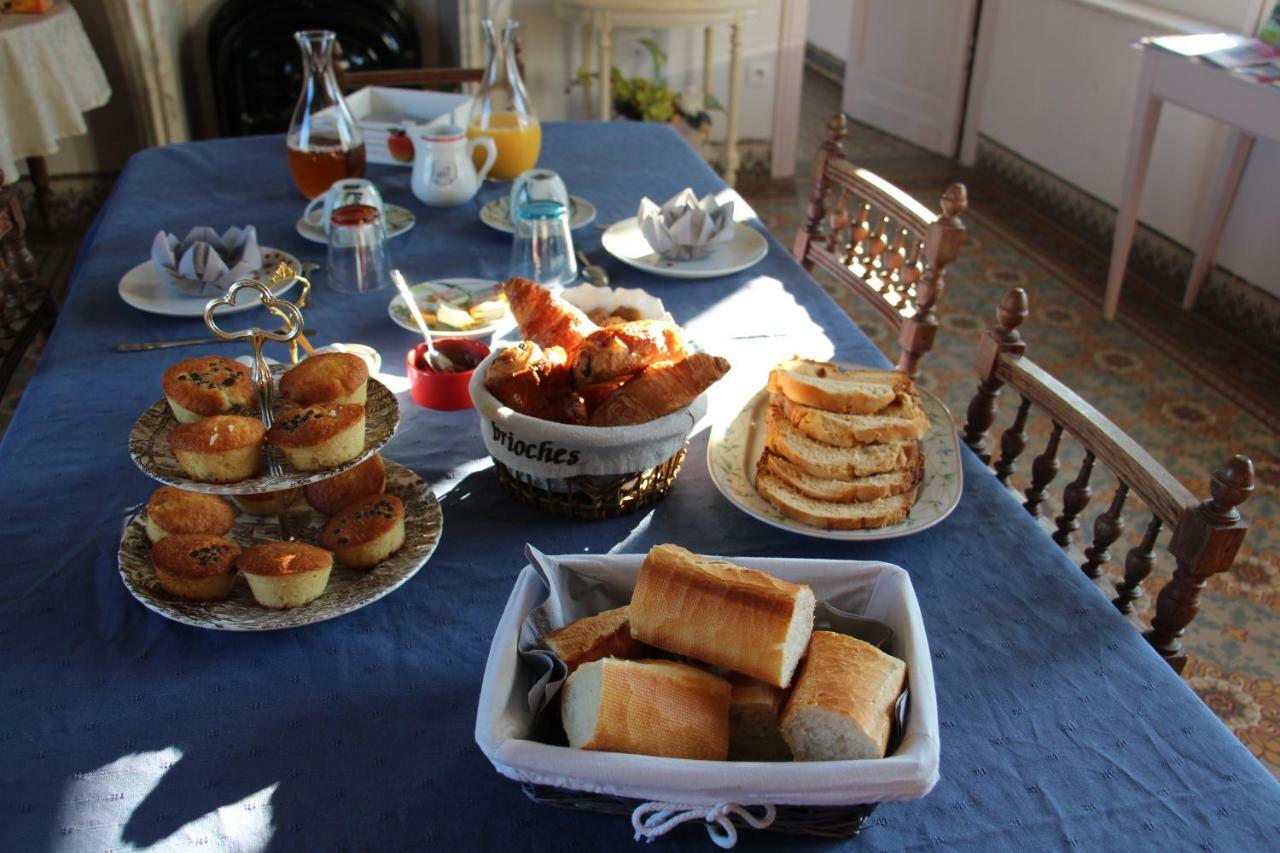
[{"x": 349, "y": 589}]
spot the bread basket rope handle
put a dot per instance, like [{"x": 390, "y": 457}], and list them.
[{"x": 652, "y": 820}]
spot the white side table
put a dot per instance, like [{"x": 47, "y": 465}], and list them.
[
  {"x": 601, "y": 17},
  {"x": 1252, "y": 109},
  {"x": 49, "y": 77}
]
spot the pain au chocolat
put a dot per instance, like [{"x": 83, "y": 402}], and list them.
[
  {"x": 174, "y": 511},
  {"x": 319, "y": 436},
  {"x": 196, "y": 566},
  {"x": 332, "y": 377},
  {"x": 286, "y": 574},
  {"x": 330, "y": 496},
  {"x": 219, "y": 449},
  {"x": 198, "y": 388},
  {"x": 366, "y": 533}
]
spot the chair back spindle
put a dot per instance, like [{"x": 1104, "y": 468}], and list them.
[
  {"x": 1138, "y": 564},
  {"x": 1075, "y": 497},
  {"x": 1043, "y": 470},
  {"x": 1107, "y": 528},
  {"x": 890, "y": 250}
]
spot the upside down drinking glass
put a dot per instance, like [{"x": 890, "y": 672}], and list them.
[
  {"x": 358, "y": 259},
  {"x": 542, "y": 249}
]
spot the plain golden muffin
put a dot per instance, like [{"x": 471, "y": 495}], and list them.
[
  {"x": 219, "y": 449},
  {"x": 286, "y": 574},
  {"x": 319, "y": 436},
  {"x": 171, "y": 511},
  {"x": 332, "y": 377},
  {"x": 196, "y": 566},
  {"x": 366, "y": 533},
  {"x": 266, "y": 503},
  {"x": 210, "y": 385},
  {"x": 367, "y": 479}
]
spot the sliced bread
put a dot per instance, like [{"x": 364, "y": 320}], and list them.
[
  {"x": 830, "y": 515},
  {"x": 830, "y": 462},
  {"x": 901, "y": 420},
  {"x": 606, "y": 634},
  {"x": 827, "y": 386},
  {"x": 839, "y": 491}
]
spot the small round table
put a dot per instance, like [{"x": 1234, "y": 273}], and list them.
[
  {"x": 49, "y": 77},
  {"x": 602, "y": 17}
]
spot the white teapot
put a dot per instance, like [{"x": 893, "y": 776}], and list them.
[{"x": 444, "y": 174}]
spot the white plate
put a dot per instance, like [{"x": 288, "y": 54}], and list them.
[
  {"x": 625, "y": 242},
  {"x": 143, "y": 289},
  {"x": 400, "y": 220},
  {"x": 733, "y": 448},
  {"x": 348, "y": 590},
  {"x": 496, "y": 214},
  {"x": 459, "y": 292}
]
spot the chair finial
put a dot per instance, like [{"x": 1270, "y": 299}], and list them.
[
  {"x": 954, "y": 201},
  {"x": 1231, "y": 485},
  {"x": 1013, "y": 310}
]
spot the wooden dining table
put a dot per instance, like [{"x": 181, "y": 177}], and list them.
[{"x": 1060, "y": 727}]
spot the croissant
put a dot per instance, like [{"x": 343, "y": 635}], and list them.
[
  {"x": 537, "y": 383},
  {"x": 544, "y": 318},
  {"x": 616, "y": 351},
  {"x": 660, "y": 389}
]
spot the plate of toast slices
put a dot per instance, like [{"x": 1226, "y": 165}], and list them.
[{"x": 839, "y": 452}]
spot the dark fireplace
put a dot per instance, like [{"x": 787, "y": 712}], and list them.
[{"x": 257, "y": 70}]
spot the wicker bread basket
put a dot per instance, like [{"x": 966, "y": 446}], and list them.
[{"x": 581, "y": 471}]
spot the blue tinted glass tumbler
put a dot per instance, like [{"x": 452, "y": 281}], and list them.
[
  {"x": 543, "y": 248},
  {"x": 358, "y": 260}
]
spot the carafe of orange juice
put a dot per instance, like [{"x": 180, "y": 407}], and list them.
[{"x": 501, "y": 110}]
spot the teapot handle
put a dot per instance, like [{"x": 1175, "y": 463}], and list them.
[{"x": 491, "y": 147}]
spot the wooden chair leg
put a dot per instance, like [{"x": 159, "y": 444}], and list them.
[
  {"x": 1205, "y": 542},
  {"x": 39, "y": 170}
]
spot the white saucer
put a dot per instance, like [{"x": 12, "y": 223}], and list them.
[
  {"x": 496, "y": 214},
  {"x": 400, "y": 220},
  {"x": 143, "y": 288},
  {"x": 462, "y": 289},
  {"x": 625, "y": 242}
]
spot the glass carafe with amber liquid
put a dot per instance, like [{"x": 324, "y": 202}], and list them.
[
  {"x": 501, "y": 110},
  {"x": 325, "y": 143}
]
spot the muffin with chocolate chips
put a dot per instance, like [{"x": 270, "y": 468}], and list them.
[
  {"x": 196, "y": 566},
  {"x": 211, "y": 385},
  {"x": 319, "y": 436},
  {"x": 286, "y": 574},
  {"x": 265, "y": 503},
  {"x": 220, "y": 449},
  {"x": 172, "y": 511},
  {"x": 365, "y": 480},
  {"x": 367, "y": 532}
]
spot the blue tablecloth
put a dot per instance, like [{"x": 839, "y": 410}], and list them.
[{"x": 1060, "y": 727}]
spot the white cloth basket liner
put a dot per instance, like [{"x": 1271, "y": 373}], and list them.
[{"x": 504, "y": 720}]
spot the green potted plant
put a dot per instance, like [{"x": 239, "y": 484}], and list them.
[{"x": 643, "y": 99}]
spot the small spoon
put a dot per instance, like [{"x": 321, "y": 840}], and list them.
[
  {"x": 437, "y": 360},
  {"x": 594, "y": 272}
]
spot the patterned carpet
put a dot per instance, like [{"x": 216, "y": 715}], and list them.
[
  {"x": 1177, "y": 400},
  {"x": 1171, "y": 380}
]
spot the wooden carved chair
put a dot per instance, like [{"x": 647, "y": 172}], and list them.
[
  {"x": 1206, "y": 533},
  {"x": 26, "y": 308},
  {"x": 888, "y": 248}
]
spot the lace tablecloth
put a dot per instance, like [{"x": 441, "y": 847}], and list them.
[{"x": 49, "y": 77}]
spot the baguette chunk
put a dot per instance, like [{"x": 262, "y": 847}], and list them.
[
  {"x": 650, "y": 707},
  {"x": 842, "y": 704},
  {"x": 603, "y": 635},
  {"x": 738, "y": 619},
  {"x": 755, "y": 711}
]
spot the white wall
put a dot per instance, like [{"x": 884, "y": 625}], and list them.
[
  {"x": 830, "y": 24},
  {"x": 1059, "y": 89}
]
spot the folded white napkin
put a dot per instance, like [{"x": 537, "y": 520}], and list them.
[
  {"x": 686, "y": 228},
  {"x": 205, "y": 263}
]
